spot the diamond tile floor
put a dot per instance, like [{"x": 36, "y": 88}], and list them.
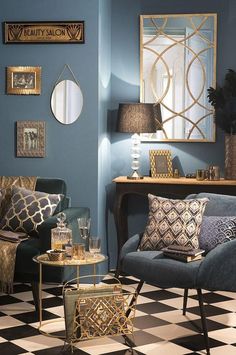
[{"x": 159, "y": 326}]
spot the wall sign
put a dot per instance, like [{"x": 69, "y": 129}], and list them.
[{"x": 44, "y": 32}]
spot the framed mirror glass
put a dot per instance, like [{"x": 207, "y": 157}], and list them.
[
  {"x": 67, "y": 101},
  {"x": 177, "y": 66}
]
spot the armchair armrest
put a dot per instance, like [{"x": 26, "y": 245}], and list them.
[
  {"x": 130, "y": 245},
  {"x": 217, "y": 270},
  {"x": 72, "y": 214}
]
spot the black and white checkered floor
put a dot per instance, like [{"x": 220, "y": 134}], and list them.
[{"x": 159, "y": 327}]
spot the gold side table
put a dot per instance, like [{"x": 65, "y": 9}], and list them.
[{"x": 43, "y": 260}]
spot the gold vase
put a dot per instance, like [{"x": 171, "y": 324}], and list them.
[{"x": 230, "y": 156}]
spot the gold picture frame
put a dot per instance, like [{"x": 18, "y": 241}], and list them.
[
  {"x": 161, "y": 163},
  {"x": 30, "y": 139},
  {"x": 24, "y": 80}
]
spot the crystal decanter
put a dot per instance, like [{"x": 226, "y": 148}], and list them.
[{"x": 61, "y": 235}]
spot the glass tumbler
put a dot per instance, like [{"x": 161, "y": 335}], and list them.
[
  {"x": 94, "y": 245},
  {"x": 78, "y": 251}
]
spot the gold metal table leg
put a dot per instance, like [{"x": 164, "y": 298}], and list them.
[
  {"x": 78, "y": 274},
  {"x": 40, "y": 295},
  {"x": 41, "y": 323},
  {"x": 94, "y": 274}
]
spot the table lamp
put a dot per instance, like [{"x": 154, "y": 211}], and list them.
[{"x": 138, "y": 118}]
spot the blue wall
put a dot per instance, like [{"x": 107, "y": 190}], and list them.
[
  {"x": 72, "y": 150},
  {"x": 125, "y": 87},
  {"x": 104, "y": 146},
  {"x": 89, "y": 153},
  {"x": 125, "y": 81}
]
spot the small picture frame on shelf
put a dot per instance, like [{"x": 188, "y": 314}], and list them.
[
  {"x": 23, "y": 80},
  {"x": 161, "y": 163},
  {"x": 30, "y": 137}
]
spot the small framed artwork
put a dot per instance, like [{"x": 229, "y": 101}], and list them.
[
  {"x": 30, "y": 137},
  {"x": 161, "y": 163},
  {"x": 24, "y": 80}
]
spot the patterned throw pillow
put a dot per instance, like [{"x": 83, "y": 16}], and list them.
[
  {"x": 172, "y": 222},
  {"x": 28, "y": 209},
  {"x": 7, "y": 183},
  {"x": 215, "y": 231}
]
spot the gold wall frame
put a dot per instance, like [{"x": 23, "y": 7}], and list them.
[
  {"x": 30, "y": 137},
  {"x": 161, "y": 163},
  {"x": 44, "y": 32},
  {"x": 24, "y": 80},
  {"x": 177, "y": 66}
]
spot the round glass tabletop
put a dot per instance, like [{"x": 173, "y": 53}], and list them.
[{"x": 89, "y": 260}]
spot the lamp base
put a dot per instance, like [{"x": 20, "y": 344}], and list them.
[{"x": 135, "y": 176}]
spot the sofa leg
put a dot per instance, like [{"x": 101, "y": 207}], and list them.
[
  {"x": 35, "y": 291},
  {"x": 203, "y": 319},
  {"x": 185, "y": 301}
]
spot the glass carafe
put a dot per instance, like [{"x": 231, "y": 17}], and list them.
[{"x": 61, "y": 235}]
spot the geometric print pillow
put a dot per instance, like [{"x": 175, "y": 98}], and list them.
[
  {"x": 6, "y": 194},
  {"x": 28, "y": 209},
  {"x": 216, "y": 230},
  {"x": 173, "y": 222}
]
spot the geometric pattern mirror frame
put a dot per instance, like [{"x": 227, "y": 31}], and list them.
[{"x": 177, "y": 66}]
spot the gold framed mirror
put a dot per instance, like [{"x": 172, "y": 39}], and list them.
[{"x": 177, "y": 66}]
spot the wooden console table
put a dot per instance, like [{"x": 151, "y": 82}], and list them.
[{"x": 165, "y": 187}]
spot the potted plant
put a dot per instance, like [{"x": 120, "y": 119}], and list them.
[{"x": 223, "y": 99}]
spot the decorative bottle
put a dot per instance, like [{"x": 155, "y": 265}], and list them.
[{"x": 61, "y": 235}]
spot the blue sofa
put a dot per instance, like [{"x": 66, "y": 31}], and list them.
[
  {"x": 215, "y": 272},
  {"x": 26, "y": 270}
]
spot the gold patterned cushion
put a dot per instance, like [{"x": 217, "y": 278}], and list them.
[
  {"x": 28, "y": 209},
  {"x": 6, "y": 185},
  {"x": 172, "y": 222}
]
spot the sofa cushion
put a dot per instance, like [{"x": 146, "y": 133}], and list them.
[
  {"x": 28, "y": 209},
  {"x": 54, "y": 186},
  {"x": 172, "y": 222},
  {"x": 155, "y": 268},
  {"x": 216, "y": 230},
  {"x": 6, "y": 185},
  {"x": 26, "y": 250},
  {"x": 218, "y": 205}
]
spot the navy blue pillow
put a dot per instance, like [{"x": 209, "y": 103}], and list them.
[{"x": 216, "y": 230}]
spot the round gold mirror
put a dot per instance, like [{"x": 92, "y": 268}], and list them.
[{"x": 67, "y": 101}]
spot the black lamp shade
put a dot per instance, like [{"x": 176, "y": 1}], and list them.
[{"x": 138, "y": 118}]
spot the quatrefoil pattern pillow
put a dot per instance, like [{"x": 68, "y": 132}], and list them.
[
  {"x": 173, "y": 222},
  {"x": 28, "y": 209}
]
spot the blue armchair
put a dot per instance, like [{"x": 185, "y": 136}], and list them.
[{"x": 215, "y": 272}]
